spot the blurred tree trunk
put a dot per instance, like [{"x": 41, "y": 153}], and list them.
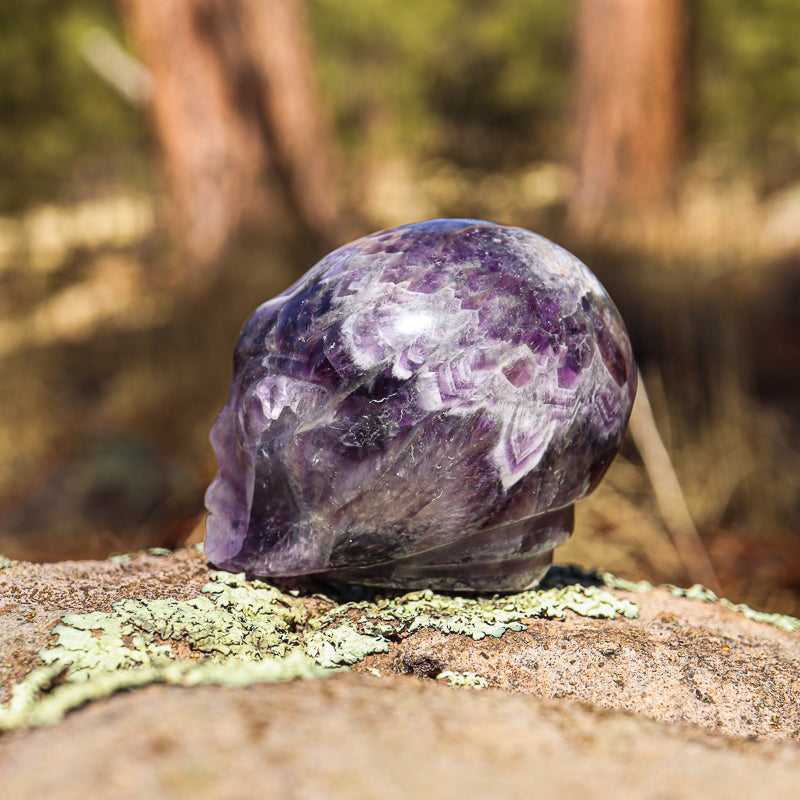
[
  {"x": 631, "y": 63},
  {"x": 235, "y": 93}
]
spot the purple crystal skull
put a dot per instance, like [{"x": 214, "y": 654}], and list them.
[{"x": 421, "y": 409}]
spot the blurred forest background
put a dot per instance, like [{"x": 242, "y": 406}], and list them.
[{"x": 167, "y": 166}]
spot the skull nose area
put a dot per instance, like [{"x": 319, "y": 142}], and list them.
[{"x": 228, "y": 497}]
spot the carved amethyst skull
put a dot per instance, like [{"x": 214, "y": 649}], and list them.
[{"x": 421, "y": 409}]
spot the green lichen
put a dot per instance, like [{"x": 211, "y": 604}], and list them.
[
  {"x": 695, "y": 592},
  {"x": 230, "y": 618},
  {"x": 41, "y": 700},
  {"x": 236, "y": 631},
  {"x": 159, "y": 551},
  {"x": 586, "y": 601},
  {"x": 704, "y": 595},
  {"x": 613, "y": 582},
  {"x": 466, "y": 680},
  {"x": 349, "y": 632},
  {"x": 342, "y": 645},
  {"x": 239, "y": 632},
  {"x": 782, "y": 621},
  {"x": 698, "y": 592},
  {"x": 6, "y": 562}
]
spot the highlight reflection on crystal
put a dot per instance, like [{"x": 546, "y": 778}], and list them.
[{"x": 421, "y": 409}]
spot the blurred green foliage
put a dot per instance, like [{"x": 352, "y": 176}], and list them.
[
  {"x": 61, "y": 128},
  {"x": 481, "y": 83},
  {"x": 746, "y": 99}
]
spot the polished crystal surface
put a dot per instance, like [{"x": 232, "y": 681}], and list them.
[{"x": 421, "y": 409}]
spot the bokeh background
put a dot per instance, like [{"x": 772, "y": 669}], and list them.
[{"x": 165, "y": 167}]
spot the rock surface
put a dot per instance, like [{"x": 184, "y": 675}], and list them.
[
  {"x": 724, "y": 678},
  {"x": 353, "y": 737}
]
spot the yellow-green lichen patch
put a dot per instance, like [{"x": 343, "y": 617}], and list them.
[
  {"x": 698, "y": 592},
  {"x": 342, "y": 645},
  {"x": 562, "y": 575},
  {"x": 231, "y": 618},
  {"x": 466, "y": 680},
  {"x": 239, "y": 631},
  {"x": 120, "y": 558},
  {"x": 704, "y": 595},
  {"x": 348, "y": 632},
  {"x": 158, "y": 551},
  {"x": 613, "y": 582},
  {"x": 782, "y": 621},
  {"x": 41, "y": 700},
  {"x": 231, "y": 628},
  {"x": 6, "y": 562},
  {"x": 695, "y": 592},
  {"x": 586, "y": 601}
]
